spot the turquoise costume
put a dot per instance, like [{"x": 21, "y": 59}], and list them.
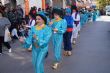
[
  {"x": 61, "y": 25},
  {"x": 98, "y": 13},
  {"x": 82, "y": 20},
  {"x": 94, "y": 16},
  {"x": 39, "y": 46}
]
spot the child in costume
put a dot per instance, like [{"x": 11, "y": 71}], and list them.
[
  {"x": 59, "y": 27},
  {"x": 67, "y": 35},
  {"x": 76, "y": 18}
]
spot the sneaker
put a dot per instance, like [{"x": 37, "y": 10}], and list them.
[
  {"x": 74, "y": 42},
  {"x": 65, "y": 53},
  {"x": 69, "y": 53},
  {"x": 10, "y": 50}
]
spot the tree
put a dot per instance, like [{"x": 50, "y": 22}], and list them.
[{"x": 103, "y": 3}]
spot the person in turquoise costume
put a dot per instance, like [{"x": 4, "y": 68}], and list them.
[
  {"x": 59, "y": 26},
  {"x": 94, "y": 15},
  {"x": 82, "y": 18},
  {"x": 46, "y": 15},
  {"x": 98, "y": 13},
  {"x": 39, "y": 38}
]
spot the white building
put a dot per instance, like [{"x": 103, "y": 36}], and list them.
[
  {"x": 27, "y": 4},
  {"x": 4, "y": 2}
]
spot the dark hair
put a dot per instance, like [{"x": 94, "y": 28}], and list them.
[
  {"x": 57, "y": 11},
  {"x": 74, "y": 8},
  {"x": 39, "y": 9},
  {"x": 32, "y": 15},
  {"x": 43, "y": 17}
]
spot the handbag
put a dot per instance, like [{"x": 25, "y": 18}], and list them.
[{"x": 7, "y": 36}]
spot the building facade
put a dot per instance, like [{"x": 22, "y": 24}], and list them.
[{"x": 27, "y": 4}]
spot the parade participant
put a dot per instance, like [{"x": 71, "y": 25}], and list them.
[
  {"x": 39, "y": 38},
  {"x": 14, "y": 33},
  {"x": 76, "y": 18},
  {"x": 31, "y": 23},
  {"x": 59, "y": 26},
  {"x": 4, "y": 23},
  {"x": 33, "y": 11},
  {"x": 67, "y": 35},
  {"x": 94, "y": 15},
  {"x": 98, "y": 13}
]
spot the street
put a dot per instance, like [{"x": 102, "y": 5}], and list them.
[{"x": 91, "y": 54}]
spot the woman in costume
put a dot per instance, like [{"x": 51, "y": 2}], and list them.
[
  {"x": 39, "y": 37},
  {"x": 59, "y": 27}
]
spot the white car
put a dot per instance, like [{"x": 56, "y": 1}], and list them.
[
  {"x": 108, "y": 12},
  {"x": 107, "y": 9}
]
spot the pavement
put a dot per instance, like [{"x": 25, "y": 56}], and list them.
[{"x": 91, "y": 54}]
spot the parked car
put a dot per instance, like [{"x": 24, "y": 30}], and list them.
[{"x": 107, "y": 10}]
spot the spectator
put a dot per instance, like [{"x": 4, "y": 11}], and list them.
[
  {"x": 4, "y": 22},
  {"x": 14, "y": 33}
]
